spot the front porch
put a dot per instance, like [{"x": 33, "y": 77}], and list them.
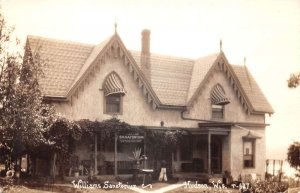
[
  {"x": 205, "y": 152},
  {"x": 200, "y": 153}
]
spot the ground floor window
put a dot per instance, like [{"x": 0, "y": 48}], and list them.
[{"x": 249, "y": 153}]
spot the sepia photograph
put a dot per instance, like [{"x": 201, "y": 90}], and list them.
[{"x": 150, "y": 96}]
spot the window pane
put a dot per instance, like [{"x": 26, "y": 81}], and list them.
[
  {"x": 113, "y": 103},
  {"x": 217, "y": 111},
  {"x": 247, "y": 147},
  {"x": 248, "y": 163},
  {"x": 248, "y": 154}
]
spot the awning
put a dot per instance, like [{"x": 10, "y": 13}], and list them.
[
  {"x": 113, "y": 85},
  {"x": 218, "y": 96},
  {"x": 251, "y": 135}
]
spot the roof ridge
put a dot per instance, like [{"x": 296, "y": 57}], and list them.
[
  {"x": 191, "y": 91},
  {"x": 58, "y": 40},
  {"x": 206, "y": 56},
  {"x": 165, "y": 55}
]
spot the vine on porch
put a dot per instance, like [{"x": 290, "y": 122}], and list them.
[{"x": 64, "y": 133}]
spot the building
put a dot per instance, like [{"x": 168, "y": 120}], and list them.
[{"x": 219, "y": 104}]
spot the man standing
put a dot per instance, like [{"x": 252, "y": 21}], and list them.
[{"x": 163, "y": 171}]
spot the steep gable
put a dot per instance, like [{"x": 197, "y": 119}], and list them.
[
  {"x": 200, "y": 70},
  {"x": 113, "y": 47},
  {"x": 243, "y": 84}
]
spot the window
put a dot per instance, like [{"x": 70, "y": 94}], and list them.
[
  {"x": 217, "y": 111},
  {"x": 113, "y": 93},
  {"x": 113, "y": 104},
  {"x": 218, "y": 101},
  {"x": 249, "y": 153}
]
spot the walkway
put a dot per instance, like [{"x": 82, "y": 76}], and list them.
[{"x": 160, "y": 190}]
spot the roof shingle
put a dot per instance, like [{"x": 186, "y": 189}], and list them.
[
  {"x": 252, "y": 90},
  {"x": 170, "y": 77},
  {"x": 64, "y": 60}
]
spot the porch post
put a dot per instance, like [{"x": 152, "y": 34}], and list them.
[
  {"x": 95, "y": 154},
  {"x": 209, "y": 154},
  {"x": 145, "y": 153},
  {"x": 116, "y": 154}
]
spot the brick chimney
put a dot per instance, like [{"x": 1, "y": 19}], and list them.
[{"x": 145, "y": 54}]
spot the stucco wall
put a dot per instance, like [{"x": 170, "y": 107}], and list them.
[
  {"x": 234, "y": 111},
  {"x": 236, "y": 153}
]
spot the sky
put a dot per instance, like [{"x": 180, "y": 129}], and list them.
[{"x": 266, "y": 32}]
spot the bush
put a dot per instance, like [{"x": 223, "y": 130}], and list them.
[{"x": 266, "y": 187}]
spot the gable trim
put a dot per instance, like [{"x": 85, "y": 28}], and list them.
[
  {"x": 222, "y": 63},
  {"x": 116, "y": 49}
]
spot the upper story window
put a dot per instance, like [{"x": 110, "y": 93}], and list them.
[
  {"x": 217, "y": 111},
  {"x": 218, "y": 102},
  {"x": 113, "y": 93},
  {"x": 113, "y": 103}
]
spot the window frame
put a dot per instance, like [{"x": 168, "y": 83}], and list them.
[
  {"x": 213, "y": 107},
  {"x": 253, "y": 155},
  {"x": 120, "y": 105}
]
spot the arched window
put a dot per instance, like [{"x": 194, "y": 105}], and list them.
[
  {"x": 218, "y": 101},
  {"x": 113, "y": 93}
]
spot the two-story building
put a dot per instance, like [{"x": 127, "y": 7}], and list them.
[{"x": 218, "y": 103}]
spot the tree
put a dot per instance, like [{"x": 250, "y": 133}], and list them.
[
  {"x": 24, "y": 117},
  {"x": 294, "y": 80},
  {"x": 9, "y": 73},
  {"x": 294, "y": 156},
  {"x": 62, "y": 136}
]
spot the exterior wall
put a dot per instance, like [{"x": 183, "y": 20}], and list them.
[
  {"x": 234, "y": 111},
  {"x": 236, "y": 153},
  {"x": 226, "y": 166}
]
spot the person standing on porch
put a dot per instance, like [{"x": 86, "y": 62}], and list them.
[{"x": 163, "y": 171}]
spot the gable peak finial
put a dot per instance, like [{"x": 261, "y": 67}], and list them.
[
  {"x": 116, "y": 26},
  {"x": 221, "y": 43}
]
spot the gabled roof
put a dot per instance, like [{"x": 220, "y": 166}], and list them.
[
  {"x": 200, "y": 70},
  {"x": 64, "y": 61},
  {"x": 170, "y": 77},
  {"x": 175, "y": 82},
  {"x": 252, "y": 90}
]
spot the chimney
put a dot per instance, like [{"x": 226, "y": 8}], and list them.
[{"x": 145, "y": 54}]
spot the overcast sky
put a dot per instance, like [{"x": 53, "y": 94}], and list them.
[{"x": 266, "y": 32}]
